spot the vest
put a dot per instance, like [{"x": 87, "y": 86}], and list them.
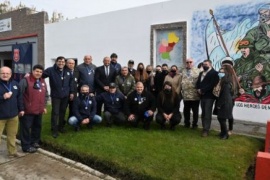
[{"x": 34, "y": 99}]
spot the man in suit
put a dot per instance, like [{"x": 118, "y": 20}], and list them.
[
  {"x": 207, "y": 79},
  {"x": 104, "y": 75}
]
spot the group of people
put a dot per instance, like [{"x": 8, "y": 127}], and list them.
[{"x": 126, "y": 95}]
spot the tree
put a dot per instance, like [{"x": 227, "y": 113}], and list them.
[{"x": 6, "y": 7}]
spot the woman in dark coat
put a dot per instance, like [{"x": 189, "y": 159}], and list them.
[
  {"x": 228, "y": 83},
  {"x": 168, "y": 107}
]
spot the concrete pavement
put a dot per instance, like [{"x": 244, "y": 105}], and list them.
[
  {"x": 43, "y": 165},
  {"x": 46, "y": 165}
]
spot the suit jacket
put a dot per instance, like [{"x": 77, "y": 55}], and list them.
[
  {"x": 207, "y": 84},
  {"x": 102, "y": 80}
]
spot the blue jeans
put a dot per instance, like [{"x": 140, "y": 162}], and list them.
[{"x": 73, "y": 121}]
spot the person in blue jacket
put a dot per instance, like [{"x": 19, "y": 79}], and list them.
[
  {"x": 113, "y": 105},
  {"x": 84, "y": 110},
  {"x": 62, "y": 90},
  {"x": 11, "y": 106}
]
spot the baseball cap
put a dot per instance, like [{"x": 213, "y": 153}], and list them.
[{"x": 112, "y": 85}]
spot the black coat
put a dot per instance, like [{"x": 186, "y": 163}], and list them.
[
  {"x": 207, "y": 84},
  {"x": 134, "y": 106},
  {"x": 102, "y": 80},
  {"x": 225, "y": 101}
]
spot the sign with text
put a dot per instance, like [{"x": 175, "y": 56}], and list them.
[{"x": 5, "y": 25}]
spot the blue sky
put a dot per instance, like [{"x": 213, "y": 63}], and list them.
[{"x": 81, "y": 8}]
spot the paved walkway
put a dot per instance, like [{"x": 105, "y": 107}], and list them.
[{"x": 45, "y": 165}]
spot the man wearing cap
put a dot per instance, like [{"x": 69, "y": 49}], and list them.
[
  {"x": 114, "y": 63},
  {"x": 131, "y": 70},
  {"x": 125, "y": 82},
  {"x": 84, "y": 110},
  {"x": 113, "y": 105},
  {"x": 250, "y": 64},
  {"x": 140, "y": 106}
]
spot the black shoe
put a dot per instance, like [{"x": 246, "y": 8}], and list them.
[
  {"x": 109, "y": 125},
  {"x": 172, "y": 128},
  {"x": 62, "y": 130},
  {"x": 55, "y": 134},
  {"x": 194, "y": 126},
  {"x": 30, "y": 150},
  {"x": 77, "y": 128},
  {"x": 224, "y": 137},
  {"x": 36, "y": 145},
  {"x": 163, "y": 127},
  {"x": 90, "y": 126}
]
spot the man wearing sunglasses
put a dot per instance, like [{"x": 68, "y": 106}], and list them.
[{"x": 189, "y": 92}]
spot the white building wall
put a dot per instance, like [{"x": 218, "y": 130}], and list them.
[{"x": 127, "y": 33}]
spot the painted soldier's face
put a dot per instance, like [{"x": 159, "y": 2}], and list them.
[
  {"x": 245, "y": 51},
  {"x": 264, "y": 16},
  {"x": 259, "y": 92}
]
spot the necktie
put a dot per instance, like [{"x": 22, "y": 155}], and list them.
[{"x": 107, "y": 71}]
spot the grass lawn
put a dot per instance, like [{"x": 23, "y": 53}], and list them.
[{"x": 133, "y": 153}]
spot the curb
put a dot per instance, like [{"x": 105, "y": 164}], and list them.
[{"x": 70, "y": 162}]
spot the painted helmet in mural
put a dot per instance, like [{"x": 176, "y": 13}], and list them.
[
  {"x": 264, "y": 12},
  {"x": 245, "y": 43},
  {"x": 227, "y": 60}
]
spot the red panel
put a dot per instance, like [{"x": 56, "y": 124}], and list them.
[
  {"x": 267, "y": 138},
  {"x": 262, "y": 166}
]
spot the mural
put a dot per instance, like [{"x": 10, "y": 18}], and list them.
[
  {"x": 240, "y": 33},
  {"x": 168, "y": 44}
]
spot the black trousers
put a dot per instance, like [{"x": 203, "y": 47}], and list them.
[
  {"x": 70, "y": 107},
  {"x": 223, "y": 127},
  {"x": 59, "y": 106},
  {"x": 30, "y": 130},
  {"x": 194, "y": 106},
  {"x": 141, "y": 118},
  {"x": 176, "y": 118},
  {"x": 118, "y": 118}
]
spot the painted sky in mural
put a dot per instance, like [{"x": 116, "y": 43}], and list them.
[
  {"x": 245, "y": 29},
  {"x": 234, "y": 21},
  {"x": 169, "y": 46}
]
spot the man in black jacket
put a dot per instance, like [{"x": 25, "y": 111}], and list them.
[
  {"x": 205, "y": 84},
  {"x": 113, "y": 105},
  {"x": 84, "y": 109},
  {"x": 10, "y": 106},
  {"x": 62, "y": 89},
  {"x": 104, "y": 75},
  {"x": 140, "y": 106}
]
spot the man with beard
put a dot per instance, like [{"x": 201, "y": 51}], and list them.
[
  {"x": 114, "y": 63},
  {"x": 260, "y": 92}
]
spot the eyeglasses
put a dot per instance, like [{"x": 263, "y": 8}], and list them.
[
  {"x": 244, "y": 43},
  {"x": 189, "y": 62}
]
